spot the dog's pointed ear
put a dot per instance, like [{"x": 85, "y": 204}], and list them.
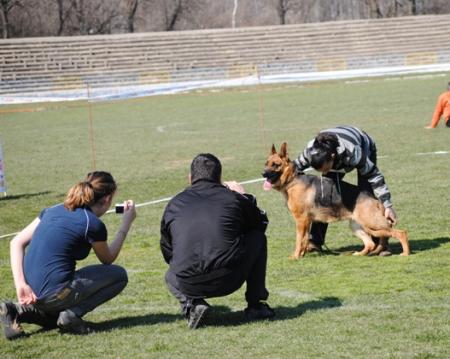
[
  {"x": 273, "y": 150},
  {"x": 283, "y": 150}
]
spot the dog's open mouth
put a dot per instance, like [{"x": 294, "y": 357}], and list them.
[{"x": 270, "y": 179}]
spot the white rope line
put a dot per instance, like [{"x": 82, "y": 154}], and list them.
[
  {"x": 161, "y": 200},
  {"x": 167, "y": 199},
  {"x": 8, "y": 235}
]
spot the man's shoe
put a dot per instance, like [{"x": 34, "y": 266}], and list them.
[
  {"x": 69, "y": 322},
  {"x": 259, "y": 311},
  {"x": 197, "y": 313},
  {"x": 385, "y": 253},
  {"x": 312, "y": 247},
  {"x": 9, "y": 318}
]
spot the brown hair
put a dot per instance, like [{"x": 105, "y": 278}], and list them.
[{"x": 97, "y": 185}]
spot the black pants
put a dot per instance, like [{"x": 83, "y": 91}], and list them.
[
  {"x": 252, "y": 270},
  {"x": 319, "y": 229}
]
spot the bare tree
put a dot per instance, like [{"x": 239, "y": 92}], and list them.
[
  {"x": 65, "y": 8},
  {"x": 374, "y": 9},
  {"x": 132, "y": 6},
  {"x": 172, "y": 14},
  {"x": 6, "y": 7},
  {"x": 414, "y": 7},
  {"x": 92, "y": 16},
  {"x": 283, "y": 7},
  {"x": 80, "y": 17},
  {"x": 190, "y": 14}
]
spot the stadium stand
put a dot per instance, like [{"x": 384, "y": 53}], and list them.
[{"x": 65, "y": 63}]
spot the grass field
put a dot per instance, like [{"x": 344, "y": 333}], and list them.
[{"x": 328, "y": 306}]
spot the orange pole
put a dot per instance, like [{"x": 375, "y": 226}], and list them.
[
  {"x": 261, "y": 109},
  {"x": 91, "y": 127}
]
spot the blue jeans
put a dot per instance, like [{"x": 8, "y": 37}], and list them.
[{"x": 90, "y": 287}]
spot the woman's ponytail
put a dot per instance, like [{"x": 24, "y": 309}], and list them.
[
  {"x": 80, "y": 195},
  {"x": 96, "y": 186}
]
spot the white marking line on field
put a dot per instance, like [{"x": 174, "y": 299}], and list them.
[
  {"x": 433, "y": 153},
  {"x": 167, "y": 199}
]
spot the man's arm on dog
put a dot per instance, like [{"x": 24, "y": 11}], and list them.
[
  {"x": 371, "y": 172},
  {"x": 302, "y": 162}
]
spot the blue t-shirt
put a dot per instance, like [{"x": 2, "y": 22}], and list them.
[{"x": 61, "y": 238}]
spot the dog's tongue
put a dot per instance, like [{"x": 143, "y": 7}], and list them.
[{"x": 267, "y": 185}]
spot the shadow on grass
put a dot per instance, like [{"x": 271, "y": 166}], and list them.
[
  {"x": 223, "y": 316},
  {"x": 426, "y": 244},
  {"x": 220, "y": 316},
  {"x": 127, "y": 322},
  {"x": 24, "y": 195},
  {"x": 416, "y": 245}
]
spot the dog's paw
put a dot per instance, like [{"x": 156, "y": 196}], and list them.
[
  {"x": 378, "y": 249},
  {"x": 360, "y": 253},
  {"x": 294, "y": 257}
]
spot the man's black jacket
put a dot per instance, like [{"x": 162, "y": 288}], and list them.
[{"x": 202, "y": 230}]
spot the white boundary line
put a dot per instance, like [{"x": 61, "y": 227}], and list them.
[
  {"x": 433, "y": 153},
  {"x": 256, "y": 180}
]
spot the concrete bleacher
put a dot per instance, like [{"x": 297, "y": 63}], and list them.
[{"x": 57, "y": 63}]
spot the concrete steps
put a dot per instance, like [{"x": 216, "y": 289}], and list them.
[{"x": 37, "y": 64}]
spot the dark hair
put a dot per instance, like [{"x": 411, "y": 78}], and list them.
[
  {"x": 324, "y": 146},
  {"x": 97, "y": 185},
  {"x": 206, "y": 166}
]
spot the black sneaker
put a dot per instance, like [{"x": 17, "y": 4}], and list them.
[
  {"x": 197, "y": 312},
  {"x": 259, "y": 311},
  {"x": 69, "y": 322},
  {"x": 9, "y": 319}
]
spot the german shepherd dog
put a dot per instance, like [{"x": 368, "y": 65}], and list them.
[{"x": 319, "y": 199}]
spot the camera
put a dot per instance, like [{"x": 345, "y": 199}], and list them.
[{"x": 119, "y": 208}]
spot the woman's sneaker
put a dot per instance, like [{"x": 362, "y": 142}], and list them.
[
  {"x": 259, "y": 311},
  {"x": 9, "y": 318},
  {"x": 69, "y": 322}
]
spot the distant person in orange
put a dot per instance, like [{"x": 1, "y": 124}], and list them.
[{"x": 442, "y": 109}]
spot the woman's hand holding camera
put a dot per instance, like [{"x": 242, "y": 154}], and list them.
[{"x": 129, "y": 215}]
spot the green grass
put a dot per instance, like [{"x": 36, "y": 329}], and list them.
[{"x": 328, "y": 306}]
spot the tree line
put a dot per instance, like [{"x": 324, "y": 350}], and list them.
[{"x": 25, "y": 18}]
